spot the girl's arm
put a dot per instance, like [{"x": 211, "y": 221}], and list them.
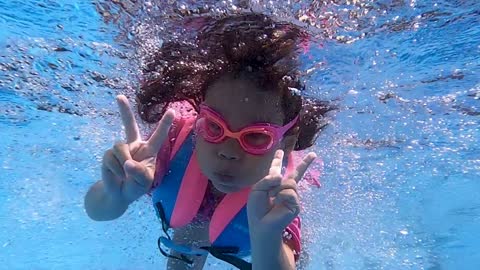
[
  {"x": 270, "y": 252},
  {"x": 273, "y": 201}
]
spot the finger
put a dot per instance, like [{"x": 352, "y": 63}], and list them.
[
  {"x": 286, "y": 206},
  {"x": 122, "y": 152},
  {"x": 128, "y": 119},
  {"x": 138, "y": 173},
  {"x": 286, "y": 184},
  {"x": 160, "y": 134},
  {"x": 303, "y": 166},
  {"x": 289, "y": 199},
  {"x": 112, "y": 164},
  {"x": 258, "y": 201},
  {"x": 268, "y": 183},
  {"x": 276, "y": 167}
]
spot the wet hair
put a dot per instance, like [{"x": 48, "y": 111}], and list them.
[{"x": 252, "y": 45}]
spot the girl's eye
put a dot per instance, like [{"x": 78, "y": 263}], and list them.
[
  {"x": 257, "y": 139},
  {"x": 213, "y": 128}
]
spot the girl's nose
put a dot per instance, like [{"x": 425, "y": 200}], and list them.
[{"x": 230, "y": 149}]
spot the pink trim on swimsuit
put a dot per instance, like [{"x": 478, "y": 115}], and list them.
[
  {"x": 225, "y": 212},
  {"x": 190, "y": 195},
  {"x": 292, "y": 236}
]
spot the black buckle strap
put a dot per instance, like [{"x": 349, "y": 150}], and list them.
[
  {"x": 182, "y": 257},
  {"x": 221, "y": 253},
  {"x": 165, "y": 227}
]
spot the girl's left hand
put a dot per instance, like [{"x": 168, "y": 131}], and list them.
[{"x": 274, "y": 202}]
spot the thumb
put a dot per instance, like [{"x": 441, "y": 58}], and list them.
[{"x": 137, "y": 172}]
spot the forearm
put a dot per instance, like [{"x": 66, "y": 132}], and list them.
[
  {"x": 101, "y": 206},
  {"x": 270, "y": 252}
]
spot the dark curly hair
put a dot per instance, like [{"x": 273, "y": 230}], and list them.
[{"x": 244, "y": 44}]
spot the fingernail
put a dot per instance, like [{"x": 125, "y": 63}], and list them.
[{"x": 171, "y": 113}]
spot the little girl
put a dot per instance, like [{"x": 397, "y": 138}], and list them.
[{"x": 222, "y": 177}]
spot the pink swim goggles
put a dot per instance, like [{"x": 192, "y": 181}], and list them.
[{"x": 256, "y": 139}]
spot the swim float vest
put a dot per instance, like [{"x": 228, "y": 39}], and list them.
[{"x": 177, "y": 195}]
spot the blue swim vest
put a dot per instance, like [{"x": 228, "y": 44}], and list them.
[{"x": 179, "y": 193}]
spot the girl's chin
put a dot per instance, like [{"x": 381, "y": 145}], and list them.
[{"x": 225, "y": 188}]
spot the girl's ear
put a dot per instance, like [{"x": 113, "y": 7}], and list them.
[{"x": 289, "y": 141}]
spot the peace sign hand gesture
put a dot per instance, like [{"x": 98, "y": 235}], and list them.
[
  {"x": 128, "y": 168},
  {"x": 274, "y": 202}
]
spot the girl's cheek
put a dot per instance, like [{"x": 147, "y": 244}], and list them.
[
  {"x": 203, "y": 148},
  {"x": 259, "y": 167}
]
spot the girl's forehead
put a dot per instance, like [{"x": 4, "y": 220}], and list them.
[{"x": 241, "y": 102}]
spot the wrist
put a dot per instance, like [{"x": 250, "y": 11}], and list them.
[
  {"x": 100, "y": 205},
  {"x": 118, "y": 199},
  {"x": 261, "y": 238},
  {"x": 115, "y": 198},
  {"x": 265, "y": 233},
  {"x": 268, "y": 252}
]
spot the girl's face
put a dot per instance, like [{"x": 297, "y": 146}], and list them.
[{"x": 241, "y": 103}]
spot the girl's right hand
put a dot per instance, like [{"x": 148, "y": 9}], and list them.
[{"x": 128, "y": 169}]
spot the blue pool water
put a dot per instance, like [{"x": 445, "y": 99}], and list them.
[{"x": 401, "y": 186}]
